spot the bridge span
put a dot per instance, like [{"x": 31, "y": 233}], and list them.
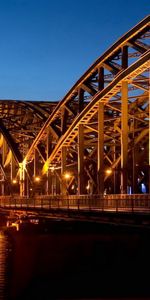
[
  {"x": 91, "y": 150},
  {"x": 113, "y": 203},
  {"x": 130, "y": 210}
]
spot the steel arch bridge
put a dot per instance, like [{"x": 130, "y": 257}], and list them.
[{"x": 96, "y": 140}]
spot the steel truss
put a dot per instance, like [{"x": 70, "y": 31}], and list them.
[{"x": 95, "y": 140}]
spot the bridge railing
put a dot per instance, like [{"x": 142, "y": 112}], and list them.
[{"x": 117, "y": 202}]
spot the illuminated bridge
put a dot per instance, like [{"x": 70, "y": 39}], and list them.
[{"x": 91, "y": 149}]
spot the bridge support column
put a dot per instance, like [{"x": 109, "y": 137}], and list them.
[
  {"x": 114, "y": 171},
  {"x": 63, "y": 187},
  {"x": 35, "y": 162},
  {"x": 4, "y": 154},
  {"x": 100, "y": 149},
  {"x": 13, "y": 183},
  {"x": 22, "y": 180},
  {"x": 57, "y": 184},
  {"x": 81, "y": 181},
  {"x": 134, "y": 160},
  {"x": 53, "y": 181},
  {"x": 12, "y": 168},
  {"x": 49, "y": 173},
  {"x": 49, "y": 183},
  {"x": 63, "y": 170},
  {"x": 124, "y": 136}
]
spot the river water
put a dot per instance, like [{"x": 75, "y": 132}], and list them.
[
  {"x": 4, "y": 253},
  {"x": 75, "y": 260}
]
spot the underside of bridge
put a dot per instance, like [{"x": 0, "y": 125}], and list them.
[{"x": 95, "y": 140}]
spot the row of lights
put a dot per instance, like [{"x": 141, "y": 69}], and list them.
[
  {"x": 66, "y": 175},
  {"x": 37, "y": 178}
]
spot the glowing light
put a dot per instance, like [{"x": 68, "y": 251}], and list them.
[
  {"x": 23, "y": 164},
  {"x": 108, "y": 171},
  {"x": 45, "y": 167},
  {"x": 14, "y": 181},
  {"x": 67, "y": 175},
  {"x": 37, "y": 179},
  {"x": 22, "y": 168},
  {"x": 1, "y": 235}
]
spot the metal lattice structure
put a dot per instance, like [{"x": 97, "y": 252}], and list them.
[
  {"x": 20, "y": 123},
  {"x": 95, "y": 140}
]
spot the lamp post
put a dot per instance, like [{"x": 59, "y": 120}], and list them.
[
  {"x": 14, "y": 181},
  {"x": 53, "y": 179},
  {"x": 67, "y": 176},
  {"x": 108, "y": 172},
  {"x": 14, "y": 186},
  {"x": 37, "y": 180}
]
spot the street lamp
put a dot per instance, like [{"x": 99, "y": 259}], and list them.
[
  {"x": 108, "y": 171},
  {"x": 14, "y": 181},
  {"x": 67, "y": 175},
  {"x": 37, "y": 179}
]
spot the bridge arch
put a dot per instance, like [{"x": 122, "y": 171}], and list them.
[{"x": 98, "y": 130}]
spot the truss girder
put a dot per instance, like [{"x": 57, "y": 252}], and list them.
[
  {"x": 90, "y": 130},
  {"x": 103, "y": 96},
  {"x": 19, "y": 120},
  {"x": 13, "y": 146},
  {"x": 98, "y": 73}
]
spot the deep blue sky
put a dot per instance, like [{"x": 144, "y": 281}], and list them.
[{"x": 45, "y": 45}]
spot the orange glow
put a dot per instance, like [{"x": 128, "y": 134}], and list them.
[
  {"x": 67, "y": 175},
  {"x": 108, "y": 171},
  {"x": 37, "y": 179},
  {"x": 14, "y": 181}
]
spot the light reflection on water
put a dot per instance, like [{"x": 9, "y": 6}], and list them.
[{"x": 3, "y": 264}]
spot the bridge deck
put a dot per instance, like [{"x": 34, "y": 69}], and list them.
[{"x": 109, "y": 203}]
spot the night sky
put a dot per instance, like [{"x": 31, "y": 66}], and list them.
[{"x": 47, "y": 45}]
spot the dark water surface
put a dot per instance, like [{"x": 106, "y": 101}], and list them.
[
  {"x": 4, "y": 258},
  {"x": 75, "y": 260}
]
